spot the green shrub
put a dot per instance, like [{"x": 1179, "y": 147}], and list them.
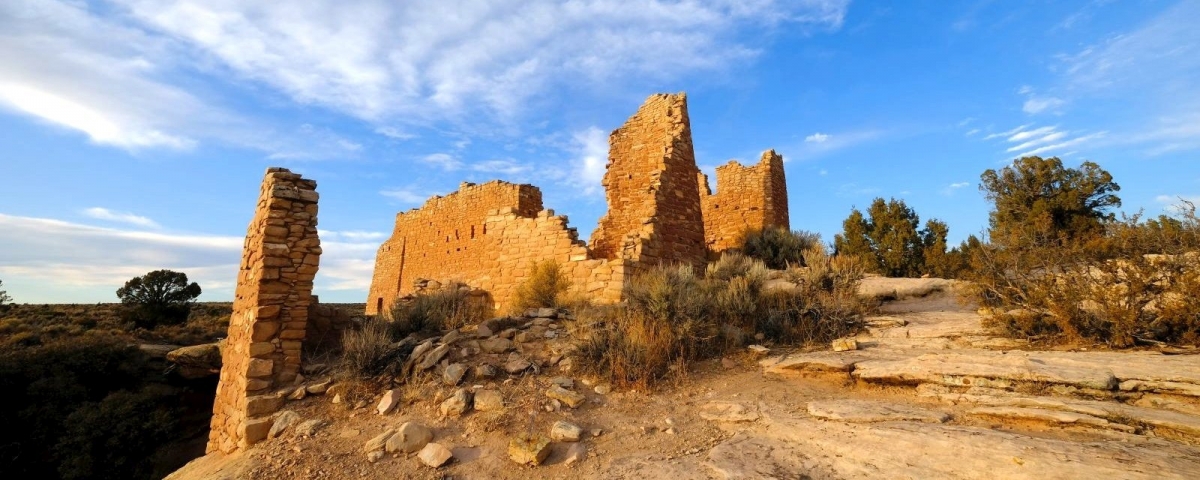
[
  {"x": 118, "y": 437},
  {"x": 544, "y": 287},
  {"x": 778, "y": 247}
]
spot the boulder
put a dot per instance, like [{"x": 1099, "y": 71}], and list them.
[
  {"x": 457, "y": 404},
  {"x": 453, "y": 374},
  {"x": 410, "y": 438},
  {"x": 529, "y": 449},
  {"x": 563, "y": 431},
  {"x": 197, "y": 361},
  {"x": 435, "y": 455},
  {"x": 389, "y": 402},
  {"x": 489, "y": 401}
]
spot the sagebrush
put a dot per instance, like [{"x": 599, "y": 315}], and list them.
[{"x": 545, "y": 286}]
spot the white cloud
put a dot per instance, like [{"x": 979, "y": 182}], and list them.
[
  {"x": 1008, "y": 133},
  {"x": 54, "y": 261},
  {"x": 444, "y": 161},
  {"x": 405, "y": 195},
  {"x": 1036, "y": 141},
  {"x": 972, "y": 132},
  {"x": 819, "y": 144},
  {"x": 1027, "y": 134},
  {"x": 395, "y": 133},
  {"x": 591, "y": 151},
  {"x": 1035, "y": 105},
  {"x": 1074, "y": 142},
  {"x": 953, "y": 187},
  {"x": 817, "y": 138},
  {"x": 1174, "y": 204},
  {"x": 504, "y": 166},
  {"x": 380, "y": 59},
  {"x": 123, "y": 217}
]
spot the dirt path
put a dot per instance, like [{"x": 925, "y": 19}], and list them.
[{"x": 929, "y": 394}]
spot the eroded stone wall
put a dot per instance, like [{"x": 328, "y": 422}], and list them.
[
  {"x": 486, "y": 236},
  {"x": 270, "y": 311},
  {"x": 654, "y": 214},
  {"x": 748, "y": 198}
]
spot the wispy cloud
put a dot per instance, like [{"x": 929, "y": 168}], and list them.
[
  {"x": 444, "y": 161},
  {"x": 819, "y": 144},
  {"x": 101, "y": 213},
  {"x": 1027, "y": 140},
  {"x": 954, "y": 187},
  {"x": 408, "y": 196},
  {"x": 816, "y": 138},
  {"x": 590, "y": 147}
]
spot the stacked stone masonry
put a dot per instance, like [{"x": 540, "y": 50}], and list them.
[
  {"x": 654, "y": 213},
  {"x": 270, "y": 311},
  {"x": 748, "y": 198},
  {"x": 487, "y": 236}
]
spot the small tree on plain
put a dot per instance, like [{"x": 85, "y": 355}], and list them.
[
  {"x": 159, "y": 297},
  {"x": 4, "y": 298}
]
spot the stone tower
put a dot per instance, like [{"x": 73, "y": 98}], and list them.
[
  {"x": 270, "y": 311},
  {"x": 654, "y": 214}
]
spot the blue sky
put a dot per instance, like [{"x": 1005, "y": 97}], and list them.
[{"x": 134, "y": 133}]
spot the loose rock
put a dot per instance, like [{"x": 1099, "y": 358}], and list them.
[
  {"x": 571, "y": 398},
  {"x": 489, "y": 401},
  {"x": 496, "y": 345},
  {"x": 845, "y": 344},
  {"x": 529, "y": 449},
  {"x": 378, "y": 443},
  {"x": 410, "y": 438},
  {"x": 563, "y": 431},
  {"x": 454, "y": 374},
  {"x": 283, "y": 421},
  {"x": 517, "y": 365},
  {"x": 389, "y": 402},
  {"x": 457, "y": 404},
  {"x": 435, "y": 455}
]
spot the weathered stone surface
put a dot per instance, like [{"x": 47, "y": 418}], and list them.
[
  {"x": 391, "y": 399},
  {"x": 488, "y": 400},
  {"x": 728, "y": 412},
  {"x": 873, "y": 411},
  {"x": 986, "y": 368},
  {"x": 1050, "y": 416},
  {"x": 319, "y": 388},
  {"x": 309, "y": 428},
  {"x": 283, "y": 421},
  {"x": 457, "y": 404},
  {"x": 529, "y": 449},
  {"x": 453, "y": 374},
  {"x": 410, "y": 438},
  {"x": 563, "y": 431},
  {"x": 197, "y": 361},
  {"x": 517, "y": 365},
  {"x": 378, "y": 442},
  {"x": 496, "y": 345},
  {"x": 748, "y": 198},
  {"x": 435, "y": 455},
  {"x": 433, "y": 357},
  {"x": 486, "y": 371},
  {"x": 844, "y": 344},
  {"x": 571, "y": 398}
]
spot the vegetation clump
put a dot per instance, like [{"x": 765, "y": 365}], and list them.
[
  {"x": 778, "y": 247},
  {"x": 673, "y": 317},
  {"x": 161, "y": 297},
  {"x": 450, "y": 306},
  {"x": 544, "y": 287},
  {"x": 1061, "y": 266},
  {"x": 890, "y": 241}
]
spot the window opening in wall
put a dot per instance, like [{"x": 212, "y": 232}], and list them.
[
  {"x": 379, "y": 305},
  {"x": 456, "y": 234},
  {"x": 484, "y": 229},
  {"x": 472, "y": 232}
]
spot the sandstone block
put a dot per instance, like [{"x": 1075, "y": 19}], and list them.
[
  {"x": 410, "y": 438},
  {"x": 529, "y": 449}
]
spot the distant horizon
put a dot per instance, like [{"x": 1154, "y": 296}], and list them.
[{"x": 137, "y": 133}]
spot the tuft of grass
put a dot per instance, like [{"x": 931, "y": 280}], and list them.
[
  {"x": 372, "y": 349},
  {"x": 545, "y": 287}
]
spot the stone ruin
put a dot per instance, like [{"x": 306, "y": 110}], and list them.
[
  {"x": 270, "y": 311},
  {"x": 485, "y": 237},
  {"x": 660, "y": 210}
]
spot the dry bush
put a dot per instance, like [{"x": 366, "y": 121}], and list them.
[
  {"x": 545, "y": 287},
  {"x": 672, "y": 318},
  {"x": 372, "y": 349},
  {"x": 446, "y": 308},
  {"x": 1136, "y": 283}
]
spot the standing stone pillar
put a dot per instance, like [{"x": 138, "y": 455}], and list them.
[{"x": 270, "y": 311}]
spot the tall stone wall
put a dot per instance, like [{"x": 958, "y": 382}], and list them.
[
  {"x": 654, "y": 214},
  {"x": 486, "y": 236},
  {"x": 270, "y": 311},
  {"x": 748, "y": 198}
]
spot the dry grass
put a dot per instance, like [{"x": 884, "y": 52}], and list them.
[
  {"x": 446, "y": 308},
  {"x": 778, "y": 247},
  {"x": 672, "y": 318}
]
